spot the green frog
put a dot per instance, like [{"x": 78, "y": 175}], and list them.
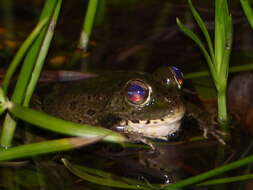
[
  {"x": 142, "y": 106},
  {"x": 145, "y": 107}
]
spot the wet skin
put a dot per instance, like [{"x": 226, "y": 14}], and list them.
[
  {"x": 139, "y": 105},
  {"x": 142, "y": 106}
]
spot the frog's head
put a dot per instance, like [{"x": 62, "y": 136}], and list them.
[{"x": 149, "y": 105}]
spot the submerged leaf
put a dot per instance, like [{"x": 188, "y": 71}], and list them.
[{"x": 105, "y": 178}]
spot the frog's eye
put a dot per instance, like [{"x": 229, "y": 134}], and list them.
[
  {"x": 178, "y": 75},
  {"x": 138, "y": 92}
]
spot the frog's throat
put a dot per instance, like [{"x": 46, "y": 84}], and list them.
[{"x": 158, "y": 128}]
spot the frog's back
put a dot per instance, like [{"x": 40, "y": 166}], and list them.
[
  {"x": 85, "y": 101},
  {"x": 135, "y": 103}
]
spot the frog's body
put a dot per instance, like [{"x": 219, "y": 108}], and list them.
[{"x": 138, "y": 104}]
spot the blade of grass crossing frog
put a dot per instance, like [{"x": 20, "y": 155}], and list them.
[{"x": 58, "y": 125}]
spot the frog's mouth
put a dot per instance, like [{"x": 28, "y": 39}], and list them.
[{"x": 158, "y": 128}]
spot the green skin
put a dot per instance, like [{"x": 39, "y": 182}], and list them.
[{"x": 103, "y": 101}]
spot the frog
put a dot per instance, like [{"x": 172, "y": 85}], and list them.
[
  {"x": 147, "y": 108},
  {"x": 140, "y": 105}
]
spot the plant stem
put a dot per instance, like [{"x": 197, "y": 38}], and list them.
[
  {"x": 88, "y": 24},
  {"x": 24, "y": 76},
  {"x": 42, "y": 55},
  {"x": 3, "y": 100},
  {"x": 8, "y": 131},
  {"x": 222, "y": 108}
]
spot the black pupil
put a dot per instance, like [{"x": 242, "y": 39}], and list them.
[{"x": 136, "y": 93}]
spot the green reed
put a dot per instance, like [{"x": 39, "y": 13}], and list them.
[
  {"x": 217, "y": 59},
  {"x": 248, "y": 11},
  {"x": 88, "y": 24},
  {"x": 50, "y": 11},
  {"x": 34, "y": 51},
  {"x": 218, "y": 54}
]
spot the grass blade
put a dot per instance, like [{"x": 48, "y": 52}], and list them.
[
  {"x": 248, "y": 11},
  {"x": 88, "y": 24},
  {"x": 58, "y": 125},
  {"x": 226, "y": 180},
  {"x": 45, "y": 147},
  {"x": 233, "y": 69},
  {"x": 223, "y": 34},
  {"x": 107, "y": 175},
  {"x": 42, "y": 55},
  {"x": 195, "y": 38},
  {"x": 210, "y": 173},
  {"x": 101, "y": 181},
  {"x": 26, "y": 70},
  {"x": 21, "y": 53},
  {"x": 203, "y": 28},
  {"x": 9, "y": 124}
]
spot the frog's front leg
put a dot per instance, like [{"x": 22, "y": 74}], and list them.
[{"x": 206, "y": 121}]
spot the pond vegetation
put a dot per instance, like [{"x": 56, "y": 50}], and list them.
[{"x": 124, "y": 35}]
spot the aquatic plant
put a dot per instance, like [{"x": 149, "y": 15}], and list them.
[
  {"x": 38, "y": 44},
  {"x": 219, "y": 53},
  {"x": 248, "y": 11},
  {"x": 35, "y": 49}
]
